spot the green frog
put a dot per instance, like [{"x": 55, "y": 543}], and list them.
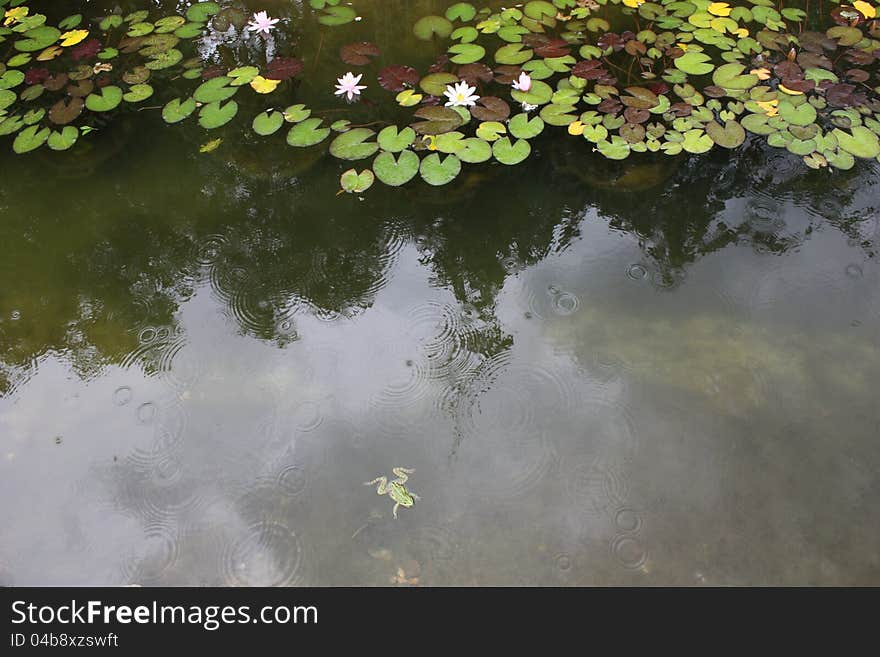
[{"x": 396, "y": 489}]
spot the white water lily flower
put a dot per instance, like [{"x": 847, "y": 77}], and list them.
[
  {"x": 348, "y": 85},
  {"x": 461, "y": 95},
  {"x": 523, "y": 83},
  {"x": 262, "y": 23}
]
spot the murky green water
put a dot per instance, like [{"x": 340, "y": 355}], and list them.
[{"x": 661, "y": 372}]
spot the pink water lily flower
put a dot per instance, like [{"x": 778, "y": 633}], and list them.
[
  {"x": 461, "y": 95},
  {"x": 523, "y": 83},
  {"x": 262, "y": 23},
  {"x": 348, "y": 85}
]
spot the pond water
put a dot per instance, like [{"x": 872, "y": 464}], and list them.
[{"x": 652, "y": 372}]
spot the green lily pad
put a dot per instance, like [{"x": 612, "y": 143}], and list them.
[
  {"x": 355, "y": 183},
  {"x": 491, "y": 130},
  {"x": 353, "y": 145},
  {"x": 11, "y": 79},
  {"x": 213, "y": 115},
  {"x": 730, "y": 76},
  {"x": 242, "y": 75},
  {"x": 803, "y": 114},
  {"x": 189, "y": 30},
  {"x": 38, "y": 39},
  {"x": 70, "y": 22},
  {"x": 697, "y": 141},
  {"x": 615, "y": 149},
  {"x": 522, "y": 127},
  {"x": 466, "y": 53},
  {"x": 694, "y": 63},
  {"x": 164, "y": 60},
  {"x": 396, "y": 172},
  {"x": 437, "y": 120},
  {"x": 33, "y": 116},
  {"x": 511, "y": 153},
  {"x": 10, "y": 125},
  {"x": 140, "y": 29},
  {"x": 540, "y": 93},
  {"x": 30, "y": 139},
  {"x": 393, "y": 140},
  {"x": 138, "y": 93},
  {"x": 474, "y": 150},
  {"x": 297, "y": 113},
  {"x": 202, "y": 11},
  {"x": 428, "y": 27},
  {"x": 757, "y": 124},
  {"x": 268, "y": 122},
  {"x": 32, "y": 92},
  {"x": 169, "y": 24},
  {"x": 558, "y": 115},
  {"x": 63, "y": 139},
  {"x": 6, "y": 98},
  {"x": 435, "y": 171},
  {"x": 215, "y": 89},
  {"x": 513, "y": 54},
  {"x": 333, "y": 16},
  {"x": 177, "y": 110},
  {"x": 108, "y": 98},
  {"x": 461, "y": 11},
  {"x": 307, "y": 133},
  {"x": 435, "y": 83},
  {"x": 862, "y": 143},
  {"x": 731, "y": 135}
]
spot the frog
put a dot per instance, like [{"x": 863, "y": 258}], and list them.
[{"x": 396, "y": 489}]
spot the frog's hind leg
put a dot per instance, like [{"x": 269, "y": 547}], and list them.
[
  {"x": 394, "y": 510},
  {"x": 382, "y": 489},
  {"x": 402, "y": 474}
]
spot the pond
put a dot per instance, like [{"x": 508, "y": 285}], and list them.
[{"x": 656, "y": 371}]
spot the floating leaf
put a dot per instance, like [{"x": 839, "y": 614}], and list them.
[
  {"x": 358, "y": 54},
  {"x": 63, "y": 139},
  {"x": 38, "y": 39},
  {"x": 435, "y": 83},
  {"x": 731, "y": 135},
  {"x": 30, "y": 139},
  {"x": 164, "y": 60},
  {"x": 297, "y": 113},
  {"x": 696, "y": 141},
  {"x": 66, "y": 110},
  {"x": 408, "y": 98},
  {"x": 355, "y": 183},
  {"x": 474, "y": 150},
  {"x": 466, "y": 53},
  {"x": 213, "y": 115},
  {"x": 511, "y": 153},
  {"x": 861, "y": 143},
  {"x": 438, "y": 120},
  {"x": 202, "y": 11},
  {"x": 513, "y": 54},
  {"x": 106, "y": 99},
  {"x": 264, "y": 85},
  {"x": 215, "y": 89},
  {"x": 428, "y": 27},
  {"x": 522, "y": 127},
  {"x": 393, "y": 140},
  {"x": 694, "y": 63},
  {"x": 73, "y": 37},
  {"x": 268, "y": 122},
  {"x": 6, "y": 98},
  {"x": 333, "y": 16},
  {"x": 461, "y": 11},
  {"x": 138, "y": 93},
  {"x": 396, "y": 172},
  {"x": 398, "y": 78},
  {"x": 176, "y": 111},
  {"x": 615, "y": 149},
  {"x": 307, "y": 133},
  {"x": 490, "y": 108},
  {"x": 352, "y": 145},
  {"x": 283, "y": 68},
  {"x": 242, "y": 75},
  {"x": 436, "y": 171},
  {"x": 803, "y": 114}
]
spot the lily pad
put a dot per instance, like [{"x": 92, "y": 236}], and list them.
[
  {"x": 862, "y": 143},
  {"x": 435, "y": 83},
  {"x": 428, "y": 27},
  {"x": 353, "y": 145},
  {"x": 437, "y": 120},
  {"x": 213, "y": 115},
  {"x": 297, "y": 113},
  {"x": 694, "y": 63},
  {"x": 396, "y": 172},
  {"x": 355, "y": 183},
  {"x": 138, "y": 93},
  {"x": 177, "y": 110},
  {"x": 466, "y": 53},
  {"x": 202, "y": 11},
  {"x": 333, "y": 16},
  {"x": 474, "y": 150},
  {"x": 436, "y": 171},
  {"x": 268, "y": 122},
  {"x": 66, "y": 110},
  {"x": 307, "y": 133},
  {"x": 30, "y": 139},
  {"x": 803, "y": 114},
  {"x": 38, "y": 39},
  {"x": 242, "y": 75},
  {"x": 215, "y": 89},
  {"x": 511, "y": 153},
  {"x": 393, "y": 140},
  {"x": 731, "y": 135},
  {"x": 108, "y": 98},
  {"x": 522, "y": 127},
  {"x": 63, "y": 139}
]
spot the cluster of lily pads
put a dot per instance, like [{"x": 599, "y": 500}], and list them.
[{"x": 688, "y": 76}]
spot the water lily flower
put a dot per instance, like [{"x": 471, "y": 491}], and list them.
[
  {"x": 523, "y": 83},
  {"x": 262, "y": 23},
  {"x": 348, "y": 84},
  {"x": 461, "y": 95}
]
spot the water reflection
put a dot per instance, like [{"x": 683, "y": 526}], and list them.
[{"x": 653, "y": 372}]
